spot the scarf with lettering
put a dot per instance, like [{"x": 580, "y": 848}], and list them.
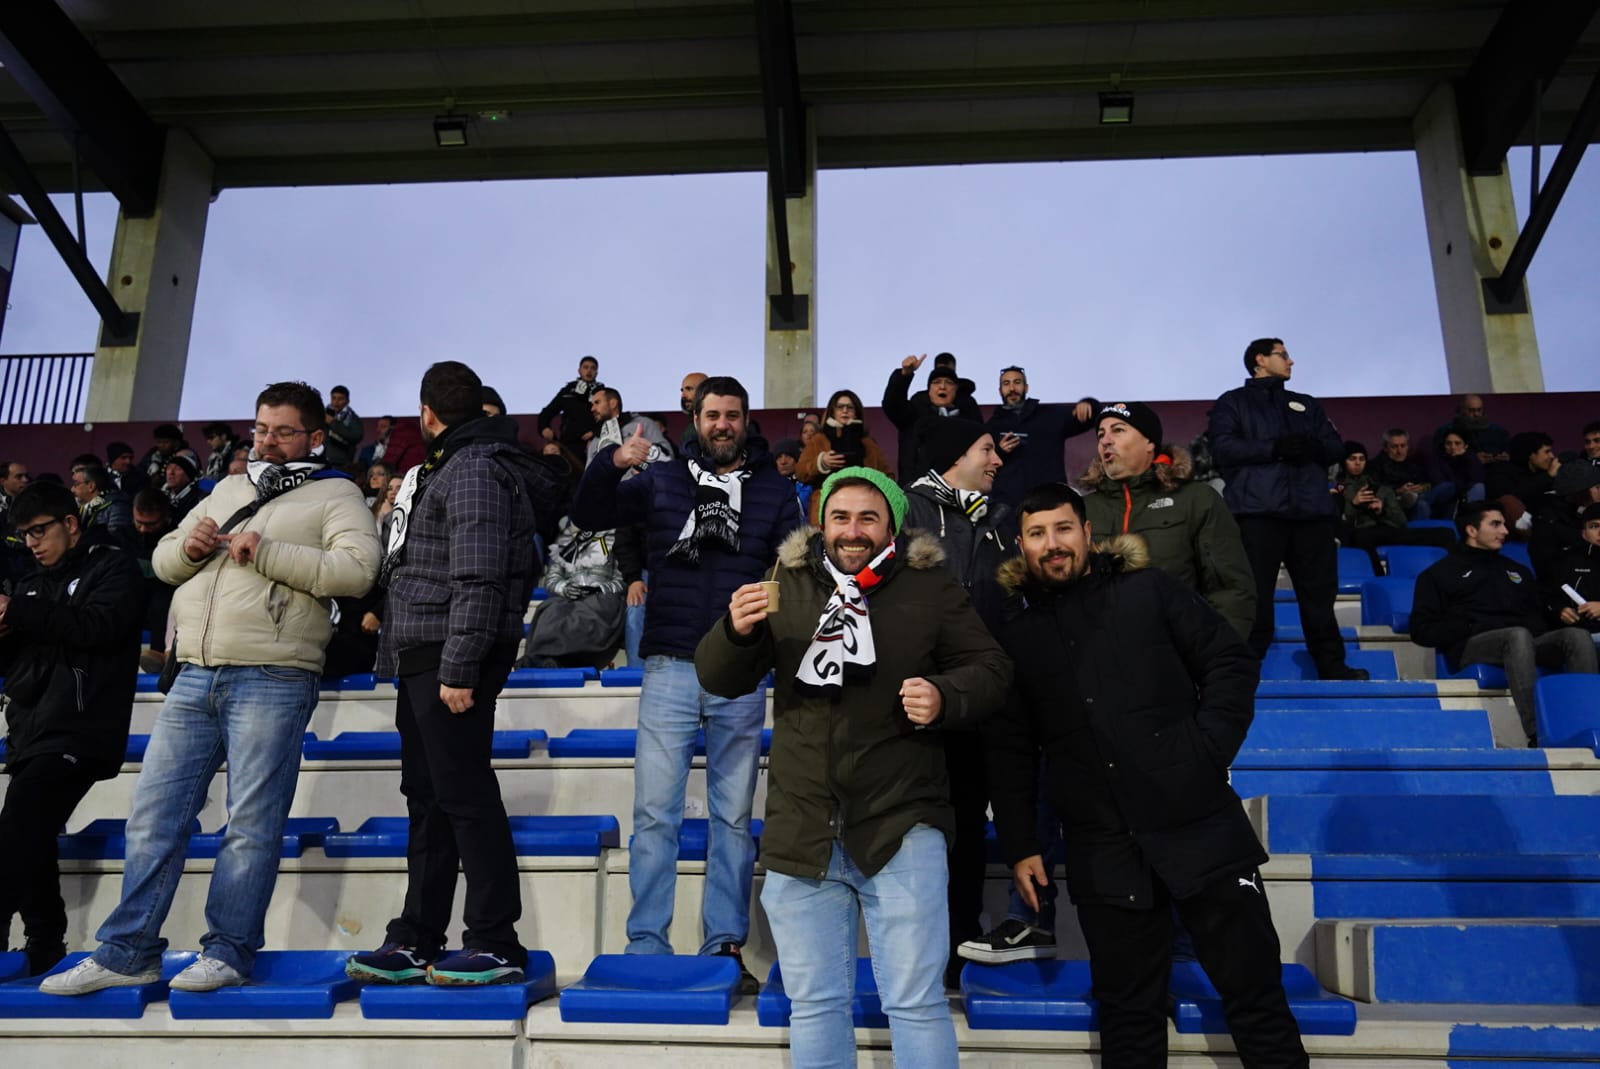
[
  {"x": 974, "y": 503},
  {"x": 841, "y": 648},
  {"x": 714, "y": 520}
]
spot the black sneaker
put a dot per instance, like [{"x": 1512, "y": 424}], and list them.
[
  {"x": 472, "y": 967},
  {"x": 1344, "y": 671},
  {"x": 42, "y": 957},
  {"x": 392, "y": 963},
  {"x": 1011, "y": 940},
  {"x": 1533, "y": 742},
  {"x": 748, "y": 984}
]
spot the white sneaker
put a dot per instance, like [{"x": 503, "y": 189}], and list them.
[
  {"x": 89, "y": 975},
  {"x": 206, "y": 974}
]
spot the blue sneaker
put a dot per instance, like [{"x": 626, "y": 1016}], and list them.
[
  {"x": 392, "y": 963},
  {"x": 471, "y": 967}
]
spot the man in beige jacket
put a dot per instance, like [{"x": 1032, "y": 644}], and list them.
[{"x": 257, "y": 566}]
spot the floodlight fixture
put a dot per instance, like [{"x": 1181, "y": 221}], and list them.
[
  {"x": 1116, "y": 108},
  {"x": 450, "y": 131}
]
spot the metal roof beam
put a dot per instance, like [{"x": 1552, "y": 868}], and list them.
[
  {"x": 1522, "y": 55},
  {"x": 786, "y": 127},
  {"x": 55, "y": 65}
]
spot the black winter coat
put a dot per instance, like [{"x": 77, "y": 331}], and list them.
[
  {"x": 1245, "y": 426},
  {"x": 912, "y": 416},
  {"x": 1039, "y": 459},
  {"x": 685, "y": 600},
  {"x": 973, "y": 552},
  {"x": 1578, "y": 567},
  {"x": 1139, "y": 695},
  {"x": 1469, "y": 592},
  {"x": 71, "y": 656}
]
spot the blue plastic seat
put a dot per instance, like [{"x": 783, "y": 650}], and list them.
[
  {"x": 1444, "y": 525},
  {"x": 491, "y": 1002},
  {"x": 1197, "y": 1008},
  {"x": 299, "y": 834},
  {"x": 13, "y": 963},
  {"x": 1386, "y": 602},
  {"x": 549, "y": 677},
  {"x": 1518, "y": 551},
  {"x": 1344, "y": 690},
  {"x": 1487, "y": 676},
  {"x": 1048, "y": 995},
  {"x": 385, "y": 745},
  {"x": 137, "y": 745},
  {"x": 147, "y": 683},
  {"x": 1286, "y": 623},
  {"x": 654, "y": 989},
  {"x": 621, "y": 743},
  {"x": 358, "y": 681},
  {"x": 627, "y": 676},
  {"x": 1390, "y": 824},
  {"x": 1354, "y": 566},
  {"x": 102, "y": 839},
  {"x": 284, "y": 984},
  {"x": 22, "y": 998},
  {"x": 1336, "y": 726},
  {"x": 541, "y": 836},
  {"x": 1567, "y": 708},
  {"x": 866, "y": 1008},
  {"x": 1292, "y": 662},
  {"x": 694, "y": 837},
  {"x": 1408, "y": 562}
]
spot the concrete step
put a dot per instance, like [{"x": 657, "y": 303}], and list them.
[{"x": 1512, "y": 962}]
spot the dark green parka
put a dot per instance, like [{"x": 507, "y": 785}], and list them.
[{"x": 857, "y": 769}]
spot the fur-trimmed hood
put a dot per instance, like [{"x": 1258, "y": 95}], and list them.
[
  {"x": 920, "y": 549},
  {"x": 1124, "y": 553},
  {"x": 1168, "y": 476}
]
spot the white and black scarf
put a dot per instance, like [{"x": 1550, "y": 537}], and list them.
[
  {"x": 271, "y": 479},
  {"x": 714, "y": 520},
  {"x": 405, "y": 500},
  {"x": 972, "y": 503},
  {"x": 841, "y": 648}
]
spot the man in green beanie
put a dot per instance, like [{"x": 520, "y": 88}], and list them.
[{"x": 878, "y": 655}]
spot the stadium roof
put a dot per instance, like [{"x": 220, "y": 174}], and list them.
[{"x": 302, "y": 92}]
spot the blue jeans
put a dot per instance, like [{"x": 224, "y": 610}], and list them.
[
  {"x": 632, "y": 632},
  {"x": 672, "y": 708},
  {"x": 255, "y": 718},
  {"x": 814, "y": 926}
]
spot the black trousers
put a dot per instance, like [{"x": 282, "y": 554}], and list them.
[
  {"x": 43, "y": 793},
  {"x": 457, "y": 819},
  {"x": 969, "y": 795},
  {"x": 1306, "y": 548},
  {"x": 1130, "y": 958}
]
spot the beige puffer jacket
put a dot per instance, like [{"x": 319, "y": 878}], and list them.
[{"x": 318, "y": 542}]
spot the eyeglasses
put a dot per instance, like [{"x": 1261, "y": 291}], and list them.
[
  {"x": 37, "y": 531},
  {"x": 278, "y": 434}
]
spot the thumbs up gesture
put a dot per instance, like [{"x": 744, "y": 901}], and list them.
[{"x": 634, "y": 451}]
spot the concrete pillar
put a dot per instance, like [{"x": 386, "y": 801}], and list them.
[
  {"x": 791, "y": 350},
  {"x": 1472, "y": 227},
  {"x": 155, "y": 269}
]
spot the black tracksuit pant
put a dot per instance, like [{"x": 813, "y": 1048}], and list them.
[
  {"x": 457, "y": 819},
  {"x": 43, "y": 793},
  {"x": 1130, "y": 957},
  {"x": 969, "y": 796},
  {"x": 1307, "y": 549}
]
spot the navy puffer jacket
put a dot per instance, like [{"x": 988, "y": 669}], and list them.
[
  {"x": 1245, "y": 425},
  {"x": 685, "y": 600}
]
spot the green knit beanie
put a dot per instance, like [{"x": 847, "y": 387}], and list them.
[{"x": 886, "y": 486}]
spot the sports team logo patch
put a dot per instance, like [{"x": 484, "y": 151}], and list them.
[
  {"x": 1515, "y": 577},
  {"x": 1296, "y": 406}
]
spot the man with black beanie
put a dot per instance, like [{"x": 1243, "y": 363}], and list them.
[
  {"x": 950, "y": 500},
  {"x": 916, "y": 416}
]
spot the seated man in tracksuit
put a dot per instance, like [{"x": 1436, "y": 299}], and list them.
[{"x": 1479, "y": 606}]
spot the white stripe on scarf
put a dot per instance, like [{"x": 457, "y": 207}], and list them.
[{"x": 841, "y": 647}]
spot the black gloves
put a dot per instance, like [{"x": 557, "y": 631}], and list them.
[{"x": 1295, "y": 449}]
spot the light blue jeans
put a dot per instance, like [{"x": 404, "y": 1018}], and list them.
[
  {"x": 672, "y": 709},
  {"x": 814, "y": 926},
  {"x": 254, "y": 717}
]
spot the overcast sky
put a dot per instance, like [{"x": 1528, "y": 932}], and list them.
[{"x": 1135, "y": 279}]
